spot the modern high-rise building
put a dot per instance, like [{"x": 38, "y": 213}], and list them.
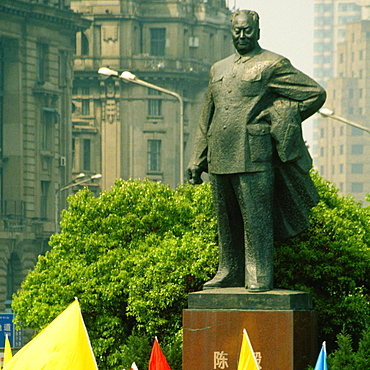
[
  {"x": 36, "y": 60},
  {"x": 124, "y": 130},
  {"x": 341, "y": 51},
  {"x": 330, "y": 19}
]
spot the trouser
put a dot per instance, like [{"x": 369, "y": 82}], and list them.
[{"x": 244, "y": 205}]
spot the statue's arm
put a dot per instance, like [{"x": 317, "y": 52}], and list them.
[
  {"x": 288, "y": 82},
  {"x": 198, "y": 162}
]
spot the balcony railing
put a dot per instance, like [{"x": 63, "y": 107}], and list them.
[
  {"x": 13, "y": 209},
  {"x": 144, "y": 63}
]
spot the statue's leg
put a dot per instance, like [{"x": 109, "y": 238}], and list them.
[
  {"x": 231, "y": 235},
  {"x": 255, "y": 195}
]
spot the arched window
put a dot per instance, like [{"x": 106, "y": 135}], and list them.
[{"x": 84, "y": 44}]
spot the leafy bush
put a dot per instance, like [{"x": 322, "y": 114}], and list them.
[{"x": 133, "y": 254}]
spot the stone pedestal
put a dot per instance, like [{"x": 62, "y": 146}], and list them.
[{"x": 280, "y": 323}]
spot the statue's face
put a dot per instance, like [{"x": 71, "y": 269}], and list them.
[{"x": 245, "y": 33}]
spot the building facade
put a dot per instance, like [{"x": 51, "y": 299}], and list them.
[
  {"x": 36, "y": 66},
  {"x": 123, "y": 130},
  {"x": 345, "y": 150},
  {"x": 341, "y": 54}
]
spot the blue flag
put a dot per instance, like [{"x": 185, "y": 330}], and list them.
[{"x": 321, "y": 363}]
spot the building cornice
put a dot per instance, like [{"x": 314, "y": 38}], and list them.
[{"x": 64, "y": 18}]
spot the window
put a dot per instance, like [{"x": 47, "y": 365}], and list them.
[
  {"x": 348, "y": 7},
  {"x": 157, "y": 41},
  {"x": 14, "y": 276},
  {"x": 341, "y": 149},
  {"x": 323, "y": 21},
  {"x": 85, "y": 90},
  {"x": 154, "y": 105},
  {"x": 360, "y": 93},
  {"x": 86, "y": 155},
  {"x": 154, "y": 155},
  {"x": 341, "y": 130},
  {"x": 42, "y": 68},
  {"x": 322, "y": 151},
  {"x": 341, "y": 33},
  {"x": 48, "y": 118},
  {"x": 73, "y": 154},
  {"x": 323, "y": 46},
  {"x": 356, "y": 131},
  {"x": 341, "y": 168},
  {"x": 63, "y": 62},
  {"x": 44, "y": 199},
  {"x": 357, "y": 149},
  {"x": 85, "y": 107},
  {"x": 321, "y": 7},
  {"x": 357, "y": 168},
  {"x": 357, "y": 187}
]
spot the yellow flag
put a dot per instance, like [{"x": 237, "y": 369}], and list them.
[
  {"x": 247, "y": 359},
  {"x": 7, "y": 351},
  {"x": 64, "y": 345}
]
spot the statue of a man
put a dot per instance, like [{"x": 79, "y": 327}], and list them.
[{"x": 250, "y": 142}]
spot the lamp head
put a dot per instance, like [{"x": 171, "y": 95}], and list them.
[
  {"x": 107, "y": 72},
  {"x": 126, "y": 75},
  {"x": 326, "y": 112}
]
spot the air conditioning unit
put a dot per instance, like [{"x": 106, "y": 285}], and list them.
[{"x": 62, "y": 161}]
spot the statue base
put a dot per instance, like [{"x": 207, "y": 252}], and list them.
[{"x": 281, "y": 325}]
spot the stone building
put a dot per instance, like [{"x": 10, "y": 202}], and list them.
[
  {"x": 123, "y": 130},
  {"x": 36, "y": 60}
]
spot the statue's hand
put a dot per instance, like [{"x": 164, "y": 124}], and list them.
[{"x": 193, "y": 175}]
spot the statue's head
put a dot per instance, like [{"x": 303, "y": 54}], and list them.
[{"x": 245, "y": 30}]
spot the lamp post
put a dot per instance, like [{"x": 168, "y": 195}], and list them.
[
  {"x": 67, "y": 186},
  {"x": 129, "y": 77},
  {"x": 328, "y": 113}
]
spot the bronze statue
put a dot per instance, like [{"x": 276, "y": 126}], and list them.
[{"x": 250, "y": 142}]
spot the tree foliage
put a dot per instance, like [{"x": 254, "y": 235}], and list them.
[
  {"x": 331, "y": 260},
  {"x": 133, "y": 254}
]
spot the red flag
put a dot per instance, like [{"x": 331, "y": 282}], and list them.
[{"x": 157, "y": 360}]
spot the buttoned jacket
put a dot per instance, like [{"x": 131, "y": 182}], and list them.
[{"x": 241, "y": 127}]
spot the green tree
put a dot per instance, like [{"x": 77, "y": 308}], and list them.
[
  {"x": 343, "y": 358},
  {"x": 133, "y": 254}
]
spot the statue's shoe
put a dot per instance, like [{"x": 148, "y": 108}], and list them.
[
  {"x": 224, "y": 280},
  {"x": 256, "y": 288}
]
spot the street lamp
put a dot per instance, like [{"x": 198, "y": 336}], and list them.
[
  {"x": 69, "y": 185},
  {"x": 328, "y": 113},
  {"x": 129, "y": 77}
]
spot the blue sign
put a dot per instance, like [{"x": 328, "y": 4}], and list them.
[{"x": 8, "y": 327}]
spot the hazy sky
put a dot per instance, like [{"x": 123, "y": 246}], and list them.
[{"x": 286, "y": 28}]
